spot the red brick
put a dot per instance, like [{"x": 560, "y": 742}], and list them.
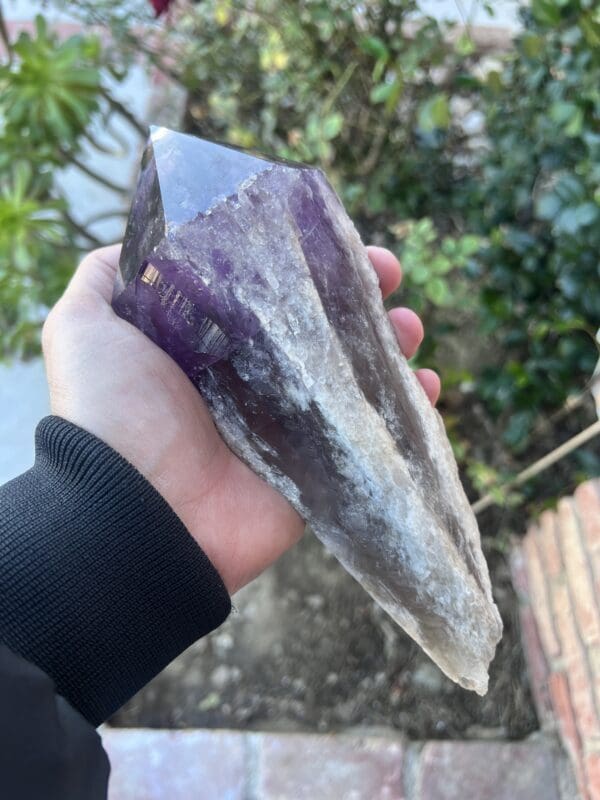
[
  {"x": 518, "y": 570},
  {"x": 549, "y": 544},
  {"x": 580, "y": 680},
  {"x": 175, "y": 765},
  {"x": 561, "y": 700},
  {"x": 587, "y": 496},
  {"x": 486, "y": 771},
  {"x": 594, "y": 659},
  {"x": 306, "y": 767},
  {"x": 592, "y": 768},
  {"x": 536, "y": 664},
  {"x": 540, "y": 597},
  {"x": 579, "y": 574}
]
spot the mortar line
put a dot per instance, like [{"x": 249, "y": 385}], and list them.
[
  {"x": 251, "y": 759},
  {"x": 411, "y": 789}
]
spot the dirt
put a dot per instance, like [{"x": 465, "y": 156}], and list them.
[{"x": 307, "y": 649}]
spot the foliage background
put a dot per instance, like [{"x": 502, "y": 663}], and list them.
[{"x": 481, "y": 170}]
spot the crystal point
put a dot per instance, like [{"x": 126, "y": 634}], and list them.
[{"x": 249, "y": 273}]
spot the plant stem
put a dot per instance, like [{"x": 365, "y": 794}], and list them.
[
  {"x": 102, "y": 148},
  {"x": 94, "y": 175},
  {"x": 82, "y": 231},
  {"x": 102, "y": 217},
  {"x": 339, "y": 87},
  {"x": 5, "y": 37},
  {"x": 539, "y": 466},
  {"x": 154, "y": 59},
  {"x": 126, "y": 113}
]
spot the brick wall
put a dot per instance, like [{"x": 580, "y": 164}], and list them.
[{"x": 557, "y": 575}]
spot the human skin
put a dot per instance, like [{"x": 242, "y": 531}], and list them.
[{"x": 107, "y": 377}]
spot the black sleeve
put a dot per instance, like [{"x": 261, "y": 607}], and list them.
[
  {"x": 101, "y": 586},
  {"x": 47, "y": 750}
]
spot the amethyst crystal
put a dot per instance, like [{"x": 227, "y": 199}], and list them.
[{"x": 249, "y": 273}]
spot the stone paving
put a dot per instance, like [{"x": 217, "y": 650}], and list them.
[
  {"x": 557, "y": 575},
  {"x": 231, "y": 765}
]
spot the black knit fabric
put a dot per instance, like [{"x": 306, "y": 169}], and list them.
[
  {"x": 101, "y": 585},
  {"x": 48, "y": 751}
]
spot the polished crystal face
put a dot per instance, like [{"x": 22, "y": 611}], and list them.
[{"x": 249, "y": 273}]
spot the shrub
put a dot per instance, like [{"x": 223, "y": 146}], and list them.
[
  {"x": 537, "y": 202},
  {"x": 501, "y": 227},
  {"x": 51, "y": 91}
]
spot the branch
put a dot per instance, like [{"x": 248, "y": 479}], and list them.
[
  {"x": 102, "y": 148},
  {"x": 372, "y": 156},
  {"x": 126, "y": 113},
  {"x": 82, "y": 231},
  {"x": 5, "y": 37},
  {"x": 539, "y": 466},
  {"x": 101, "y": 217},
  {"x": 71, "y": 159}
]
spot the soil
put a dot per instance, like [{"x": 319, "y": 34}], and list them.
[{"x": 307, "y": 649}]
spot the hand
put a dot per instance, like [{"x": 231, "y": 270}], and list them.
[{"x": 108, "y": 378}]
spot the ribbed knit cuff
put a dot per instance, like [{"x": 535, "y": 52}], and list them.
[{"x": 101, "y": 585}]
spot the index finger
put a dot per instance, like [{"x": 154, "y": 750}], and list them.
[{"x": 387, "y": 267}]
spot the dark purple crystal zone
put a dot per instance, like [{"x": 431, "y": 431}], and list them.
[{"x": 187, "y": 321}]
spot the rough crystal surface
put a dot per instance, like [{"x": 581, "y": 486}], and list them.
[{"x": 249, "y": 273}]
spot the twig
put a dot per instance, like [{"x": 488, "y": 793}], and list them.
[
  {"x": 82, "y": 231},
  {"x": 5, "y": 37},
  {"x": 578, "y": 400},
  {"x": 102, "y": 148},
  {"x": 104, "y": 215},
  {"x": 338, "y": 88},
  {"x": 126, "y": 113},
  {"x": 94, "y": 175},
  {"x": 539, "y": 466},
  {"x": 374, "y": 151}
]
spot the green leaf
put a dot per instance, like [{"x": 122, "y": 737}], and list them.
[
  {"x": 332, "y": 125},
  {"x": 394, "y": 96},
  {"x": 547, "y": 12},
  {"x": 494, "y": 81},
  {"x": 591, "y": 29},
  {"x": 575, "y": 125},
  {"x": 532, "y": 44},
  {"x": 441, "y": 265},
  {"x": 434, "y": 113},
  {"x": 437, "y": 291},
  {"x": 375, "y": 47},
  {"x": 419, "y": 273},
  {"x": 469, "y": 244},
  {"x": 547, "y": 206},
  {"x": 562, "y": 112},
  {"x": 382, "y": 92},
  {"x": 518, "y": 429},
  {"x": 568, "y": 115},
  {"x": 379, "y": 69},
  {"x": 464, "y": 45},
  {"x": 573, "y": 218}
]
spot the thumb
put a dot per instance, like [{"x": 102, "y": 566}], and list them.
[{"x": 95, "y": 275}]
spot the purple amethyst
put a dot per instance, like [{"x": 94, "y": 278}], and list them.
[{"x": 249, "y": 273}]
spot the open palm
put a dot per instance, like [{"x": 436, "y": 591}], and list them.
[{"x": 108, "y": 378}]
